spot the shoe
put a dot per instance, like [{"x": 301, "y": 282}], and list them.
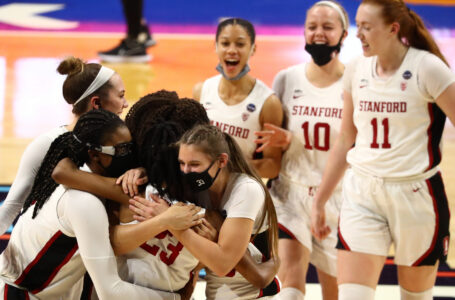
[
  {"x": 128, "y": 51},
  {"x": 144, "y": 37}
]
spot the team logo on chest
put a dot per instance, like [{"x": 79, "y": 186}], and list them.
[
  {"x": 207, "y": 105},
  {"x": 297, "y": 94},
  {"x": 363, "y": 83},
  {"x": 403, "y": 86},
  {"x": 245, "y": 116}
]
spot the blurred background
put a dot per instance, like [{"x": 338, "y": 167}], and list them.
[{"x": 35, "y": 35}]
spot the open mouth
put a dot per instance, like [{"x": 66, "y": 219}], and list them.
[{"x": 231, "y": 63}]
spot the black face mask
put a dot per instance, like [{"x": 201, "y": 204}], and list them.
[
  {"x": 202, "y": 181},
  {"x": 322, "y": 53},
  {"x": 120, "y": 164}
]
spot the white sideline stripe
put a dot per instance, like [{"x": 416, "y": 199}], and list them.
[{"x": 313, "y": 292}]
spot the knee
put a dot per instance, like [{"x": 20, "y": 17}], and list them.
[
  {"x": 354, "y": 291},
  {"x": 407, "y": 295}
]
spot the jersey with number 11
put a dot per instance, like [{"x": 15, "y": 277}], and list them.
[{"x": 399, "y": 128}]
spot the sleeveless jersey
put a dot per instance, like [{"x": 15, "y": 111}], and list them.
[
  {"x": 239, "y": 120},
  {"x": 42, "y": 256},
  {"x": 314, "y": 118},
  {"x": 160, "y": 263},
  {"x": 399, "y": 128}
]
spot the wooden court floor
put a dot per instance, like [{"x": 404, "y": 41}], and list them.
[{"x": 30, "y": 88}]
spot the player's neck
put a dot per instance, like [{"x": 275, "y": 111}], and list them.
[
  {"x": 324, "y": 76},
  {"x": 235, "y": 91},
  {"x": 390, "y": 61}
]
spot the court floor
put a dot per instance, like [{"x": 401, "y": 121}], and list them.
[{"x": 30, "y": 88}]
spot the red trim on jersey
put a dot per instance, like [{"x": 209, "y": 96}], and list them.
[
  {"x": 5, "y": 292},
  {"x": 277, "y": 284},
  {"x": 436, "y": 227},
  {"x": 54, "y": 273},
  {"x": 340, "y": 237},
  {"x": 38, "y": 257},
  {"x": 283, "y": 228}
]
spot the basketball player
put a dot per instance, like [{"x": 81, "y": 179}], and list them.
[
  {"x": 311, "y": 94},
  {"x": 87, "y": 86},
  {"x": 65, "y": 232},
  {"x": 151, "y": 259},
  {"x": 396, "y": 99},
  {"x": 236, "y": 102},
  {"x": 212, "y": 161}
]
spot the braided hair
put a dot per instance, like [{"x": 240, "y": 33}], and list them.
[
  {"x": 94, "y": 127},
  {"x": 157, "y": 121}
]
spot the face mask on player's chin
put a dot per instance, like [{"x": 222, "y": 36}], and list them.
[
  {"x": 322, "y": 54},
  {"x": 242, "y": 73}
]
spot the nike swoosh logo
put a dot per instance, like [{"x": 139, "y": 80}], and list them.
[
  {"x": 295, "y": 97},
  {"x": 415, "y": 190}
]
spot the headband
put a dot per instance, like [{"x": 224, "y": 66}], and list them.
[
  {"x": 335, "y": 7},
  {"x": 101, "y": 78}
]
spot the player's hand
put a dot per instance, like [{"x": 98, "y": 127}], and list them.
[
  {"x": 131, "y": 180},
  {"x": 319, "y": 229},
  {"x": 144, "y": 209},
  {"x": 181, "y": 216},
  {"x": 206, "y": 230},
  {"x": 273, "y": 136}
]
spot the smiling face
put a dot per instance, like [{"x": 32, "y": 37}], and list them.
[
  {"x": 115, "y": 101},
  {"x": 234, "y": 47},
  {"x": 323, "y": 26},
  {"x": 192, "y": 159},
  {"x": 373, "y": 33}
]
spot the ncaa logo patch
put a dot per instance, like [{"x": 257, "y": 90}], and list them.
[
  {"x": 407, "y": 75},
  {"x": 245, "y": 116},
  {"x": 251, "y": 107}
]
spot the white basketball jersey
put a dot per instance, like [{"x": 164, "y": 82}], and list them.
[
  {"x": 314, "y": 118},
  {"x": 234, "y": 285},
  {"x": 160, "y": 263},
  {"x": 240, "y": 120},
  {"x": 42, "y": 256},
  {"x": 399, "y": 129}
]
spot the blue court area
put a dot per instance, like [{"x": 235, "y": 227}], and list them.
[{"x": 207, "y": 12}]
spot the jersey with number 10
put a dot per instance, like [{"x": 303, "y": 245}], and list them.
[{"x": 314, "y": 116}]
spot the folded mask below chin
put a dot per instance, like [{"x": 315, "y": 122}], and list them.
[
  {"x": 242, "y": 73},
  {"x": 322, "y": 53}
]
